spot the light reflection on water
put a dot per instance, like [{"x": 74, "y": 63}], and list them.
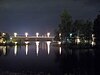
[
  {"x": 15, "y": 49},
  {"x": 47, "y": 58}
]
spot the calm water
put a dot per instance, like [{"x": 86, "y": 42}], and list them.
[{"x": 45, "y": 58}]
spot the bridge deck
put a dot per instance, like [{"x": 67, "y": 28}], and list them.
[{"x": 33, "y": 38}]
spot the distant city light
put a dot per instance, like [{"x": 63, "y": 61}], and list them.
[
  {"x": 16, "y": 43},
  {"x": 3, "y": 34},
  {"x": 15, "y": 34},
  {"x": 59, "y": 42},
  {"x": 48, "y": 34},
  {"x": 37, "y": 34},
  {"x": 78, "y": 40},
  {"x": 93, "y": 43},
  {"x": 26, "y": 34},
  {"x": 59, "y": 34},
  {"x": 70, "y": 34}
]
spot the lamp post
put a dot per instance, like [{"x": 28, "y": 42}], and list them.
[
  {"x": 37, "y": 34},
  {"x": 26, "y": 34},
  {"x": 15, "y": 34},
  {"x": 48, "y": 34}
]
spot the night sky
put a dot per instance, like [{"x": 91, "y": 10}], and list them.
[{"x": 42, "y": 15}]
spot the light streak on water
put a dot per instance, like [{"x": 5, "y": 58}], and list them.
[
  {"x": 37, "y": 47},
  {"x": 48, "y": 46},
  {"x": 26, "y": 49},
  {"x": 15, "y": 49},
  {"x": 60, "y": 50},
  {"x": 4, "y": 50}
]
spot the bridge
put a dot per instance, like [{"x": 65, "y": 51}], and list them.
[
  {"x": 33, "y": 38},
  {"x": 27, "y": 37}
]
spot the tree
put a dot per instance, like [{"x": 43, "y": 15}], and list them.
[
  {"x": 88, "y": 30},
  {"x": 65, "y": 25},
  {"x": 78, "y": 27},
  {"x": 97, "y": 29}
]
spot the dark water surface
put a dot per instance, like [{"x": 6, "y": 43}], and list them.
[{"x": 45, "y": 60}]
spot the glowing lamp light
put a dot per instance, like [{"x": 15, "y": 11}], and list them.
[
  {"x": 26, "y": 34},
  {"x": 48, "y": 34},
  {"x": 78, "y": 40},
  {"x": 59, "y": 42},
  {"x": 15, "y": 43},
  {"x": 3, "y": 34},
  {"x": 4, "y": 42},
  {"x": 93, "y": 43},
  {"x": 37, "y": 34},
  {"x": 15, "y": 34},
  {"x": 59, "y": 34}
]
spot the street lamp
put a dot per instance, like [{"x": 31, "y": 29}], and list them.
[
  {"x": 37, "y": 34},
  {"x": 15, "y": 34},
  {"x": 26, "y": 34},
  {"x": 48, "y": 34}
]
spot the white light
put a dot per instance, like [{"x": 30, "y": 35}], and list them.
[
  {"x": 10, "y": 38},
  {"x": 93, "y": 43},
  {"x": 59, "y": 34},
  {"x": 60, "y": 50},
  {"x": 70, "y": 34},
  {"x": 3, "y": 34},
  {"x": 48, "y": 34},
  {"x": 37, "y": 34},
  {"x": 78, "y": 40},
  {"x": 4, "y": 42},
  {"x": 92, "y": 35},
  {"x": 26, "y": 49},
  {"x": 15, "y": 43},
  {"x": 4, "y": 50},
  {"x": 26, "y": 34},
  {"x": 15, "y": 34},
  {"x": 59, "y": 42},
  {"x": 48, "y": 46},
  {"x": 37, "y": 47},
  {"x": 26, "y": 42},
  {"x": 15, "y": 49}
]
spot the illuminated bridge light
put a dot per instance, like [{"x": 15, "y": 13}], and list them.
[
  {"x": 15, "y": 34},
  {"x": 37, "y": 34},
  {"x": 48, "y": 46},
  {"x": 48, "y": 34},
  {"x": 37, "y": 47},
  {"x": 3, "y": 34},
  {"x": 26, "y": 34}
]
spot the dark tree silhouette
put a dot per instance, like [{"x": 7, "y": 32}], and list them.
[
  {"x": 97, "y": 47},
  {"x": 97, "y": 30}
]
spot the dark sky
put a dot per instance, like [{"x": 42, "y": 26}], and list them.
[{"x": 42, "y": 15}]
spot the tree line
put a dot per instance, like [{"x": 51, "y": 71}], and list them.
[{"x": 81, "y": 28}]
